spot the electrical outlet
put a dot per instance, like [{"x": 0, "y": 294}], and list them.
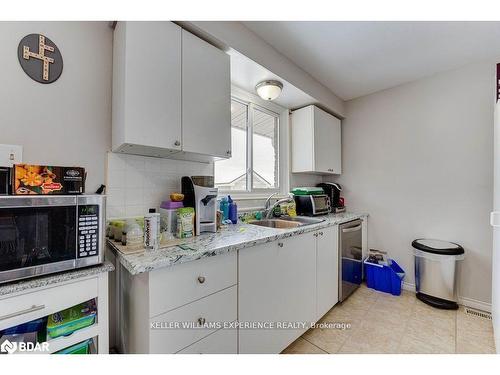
[{"x": 10, "y": 155}]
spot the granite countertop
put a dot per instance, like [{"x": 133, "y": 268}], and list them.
[
  {"x": 55, "y": 278},
  {"x": 229, "y": 238}
]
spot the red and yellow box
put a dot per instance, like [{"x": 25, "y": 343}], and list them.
[{"x": 29, "y": 179}]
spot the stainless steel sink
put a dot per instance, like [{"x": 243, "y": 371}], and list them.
[
  {"x": 276, "y": 223},
  {"x": 287, "y": 222},
  {"x": 304, "y": 220}
]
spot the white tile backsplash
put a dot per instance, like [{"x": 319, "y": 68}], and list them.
[{"x": 137, "y": 183}]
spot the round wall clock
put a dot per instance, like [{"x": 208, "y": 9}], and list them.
[{"x": 40, "y": 58}]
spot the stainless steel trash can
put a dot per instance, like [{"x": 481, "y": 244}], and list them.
[{"x": 435, "y": 272}]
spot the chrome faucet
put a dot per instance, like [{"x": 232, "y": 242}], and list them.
[
  {"x": 268, "y": 201},
  {"x": 269, "y": 210}
]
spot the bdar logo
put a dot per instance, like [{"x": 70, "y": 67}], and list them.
[
  {"x": 11, "y": 347},
  {"x": 8, "y": 347}
]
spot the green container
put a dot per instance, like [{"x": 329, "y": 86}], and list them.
[
  {"x": 308, "y": 190},
  {"x": 81, "y": 348},
  {"x": 70, "y": 320}
]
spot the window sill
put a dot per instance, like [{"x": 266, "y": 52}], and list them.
[{"x": 250, "y": 197}]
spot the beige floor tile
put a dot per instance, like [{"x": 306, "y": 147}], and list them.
[
  {"x": 432, "y": 325},
  {"x": 425, "y": 312},
  {"x": 411, "y": 344},
  {"x": 381, "y": 323},
  {"x": 391, "y": 308},
  {"x": 474, "y": 346},
  {"x": 331, "y": 333},
  {"x": 347, "y": 310},
  {"x": 358, "y": 304},
  {"x": 430, "y": 334},
  {"x": 474, "y": 334},
  {"x": 375, "y": 336},
  {"x": 301, "y": 346}
]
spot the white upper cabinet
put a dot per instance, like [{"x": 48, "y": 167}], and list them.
[
  {"x": 316, "y": 142},
  {"x": 171, "y": 93},
  {"x": 146, "y": 88},
  {"x": 206, "y": 98}
]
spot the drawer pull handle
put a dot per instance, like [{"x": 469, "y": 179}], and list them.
[
  {"x": 22, "y": 312},
  {"x": 201, "y": 321},
  {"x": 280, "y": 244},
  {"x": 201, "y": 279},
  {"x": 320, "y": 233}
]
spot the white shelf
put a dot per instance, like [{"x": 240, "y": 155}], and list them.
[
  {"x": 63, "y": 342},
  {"x": 58, "y": 298}
]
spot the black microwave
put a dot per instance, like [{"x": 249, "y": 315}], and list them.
[
  {"x": 5, "y": 173},
  {"x": 46, "y": 234}
]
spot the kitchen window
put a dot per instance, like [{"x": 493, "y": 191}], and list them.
[{"x": 254, "y": 165}]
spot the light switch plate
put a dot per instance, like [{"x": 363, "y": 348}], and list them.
[{"x": 10, "y": 155}]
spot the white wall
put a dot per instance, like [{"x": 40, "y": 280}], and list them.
[
  {"x": 67, "y": 122},
  {"x": 419, "y": 158}
]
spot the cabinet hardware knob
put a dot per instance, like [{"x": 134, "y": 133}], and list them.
[
  {"x": 201, "y": 321},
  {"x": 228, "y": 152},
  {"x": 280, "y": 244},
  {"x": 177, "y": 143},
  {"x": 201, "y": 279},
  {"x": 320, "y": 233},
  {"x": 315, "y": 234}
]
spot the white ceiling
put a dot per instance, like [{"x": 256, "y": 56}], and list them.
[
  {"x": 246, "y": 73},
  {"x": 357, "y": 58}
]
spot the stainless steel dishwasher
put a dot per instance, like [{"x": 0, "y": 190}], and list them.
[{"x": 350, "y": 257}]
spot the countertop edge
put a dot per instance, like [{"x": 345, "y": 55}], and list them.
[
  {"x": 54, "y": 279},
  {"x": 279, "y": 234}
]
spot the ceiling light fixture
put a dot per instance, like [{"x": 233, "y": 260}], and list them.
[{"x": 269, "y": 89}]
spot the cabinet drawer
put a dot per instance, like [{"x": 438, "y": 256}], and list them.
[
  {"x": 184, "y": 283},
  {"x": 224, "y": 341},
  {"x": 42, "y": 302},
  {"x": 214, "y": 309}
]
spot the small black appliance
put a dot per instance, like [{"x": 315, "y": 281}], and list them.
[{"x": 332, "y": 189}]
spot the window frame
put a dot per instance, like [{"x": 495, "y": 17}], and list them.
[{"x": 252, "y": 103}]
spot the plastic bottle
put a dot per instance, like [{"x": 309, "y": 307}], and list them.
[
  {"x": 233, "y": 210},
  {"x": 151, "y": 230},
  {"x": 224, "y": 207},
  {"x": 132, "y": 234},
  {"x": 135, "y": 236}
]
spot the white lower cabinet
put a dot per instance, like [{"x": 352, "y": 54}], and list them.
[
  {"x": 273, "y": 292},
  {"x": 277, "y": 283},
  {"x": 223, "y": 341},
  {"x": 197, "y": 296},
  {"x": 207, "y": 312},
  {"x": 327, "y": 270}
]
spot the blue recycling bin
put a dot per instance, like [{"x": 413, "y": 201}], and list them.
[{"x": 387, "y": 279}]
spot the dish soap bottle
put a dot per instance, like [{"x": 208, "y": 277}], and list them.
[
  {"x": 233, "y": 210},
  {"x": 224, "y": 207}
]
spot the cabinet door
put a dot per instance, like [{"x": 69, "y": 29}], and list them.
[
  {"x": 224, "y": 341},
  {"x": 303, "y": 140},
  {"x": 276, "y": 284},
  {"x": 206, "y": 98},
  {"x": 327, "y": 270},
  {"x": 327, "y": 143},
  {"x": 152, "y": 84}
]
